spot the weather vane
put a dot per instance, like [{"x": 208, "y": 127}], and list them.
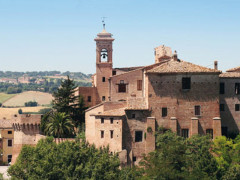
[{"x": 103, "y": 21}]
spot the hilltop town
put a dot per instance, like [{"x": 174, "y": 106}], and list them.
[{"x": 128, "y": 105}]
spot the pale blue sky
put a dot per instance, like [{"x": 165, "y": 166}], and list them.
[{"x": 58, "y": 34}]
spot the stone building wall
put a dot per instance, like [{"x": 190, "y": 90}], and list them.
[
  {"x": 130, "y": 79},
  {"x": 90, "y": 95},
  {"x": 165, "y": 91},
  {"x": 230, "y": 117},
  {"x": 26, "y": 127}
]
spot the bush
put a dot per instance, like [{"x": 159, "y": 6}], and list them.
[
  {"x": 31, "y": 104},
  {"x": 20, "y": 111}
]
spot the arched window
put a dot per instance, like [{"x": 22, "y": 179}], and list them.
[{"x": 104, "y": 55}]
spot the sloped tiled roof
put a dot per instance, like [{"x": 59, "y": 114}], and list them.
[
  {"x": 230, "y": 75},
  {"x": 128, "y": 68},
  {"x": 181, "y": 67},
  {"x": 5, "y": 124},
  {"x": 236, "y": 69},
  {"x": 115, "y": 112}
]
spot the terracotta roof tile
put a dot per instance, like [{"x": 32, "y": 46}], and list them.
[
  {"x": 115, "y": 112},
  {"x": 230, "y": 75},
  {"x": 236, "y": 69},
  {"x": 181, "y": 67},
  {"x": 4, "y": 123}
]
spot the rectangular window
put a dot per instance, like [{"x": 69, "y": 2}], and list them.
[
  {"x": 111, "y": 120},
  {"x": 139, "y": 85},
  {"x": 164, "y": 112},
  {"x": 222, "y": 88},
  {"x": 122, "y": 88},
  {"x": 138, "y": 136},
  {"x": 133, "y": 116},
  {"x": 9, "y": 142},
  {"x": 186, "y": 83},
  {"x": 102, "y": 134},
  {"x": 9, "y": 158},
  {"x": 102, "y": 120},
  {"x": 103, "y": 98},
  {"x": 237, "y": 88},
  {"x": 222, "y": 107},
  {"x": 9, "y": 132},
  {"x": 134, "y": 159},
  {"x": 197, "y": 110},
  {"x": 185, "y": 133},
  {"x": 111, "y": 134},
  {"x": 114, "y": 73},
  {"x": 237, "y": 107},
  {"x": 103, "y": 79},
  {"x": 89, "y": 98},
  {"x": 210, "y": 132}
]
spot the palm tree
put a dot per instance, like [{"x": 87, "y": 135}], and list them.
[{"x": 60, "y": 125}]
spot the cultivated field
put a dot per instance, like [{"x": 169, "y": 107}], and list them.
[
  {"x": 8, "y": 113},
  {"x": 19, "y": 99},
  {"x": 5, "y": 97}
]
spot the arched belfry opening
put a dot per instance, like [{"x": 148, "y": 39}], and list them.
[{"x": 104, "y": 55}]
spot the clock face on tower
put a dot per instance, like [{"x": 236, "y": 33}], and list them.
[{"x": 104, "y": 55}]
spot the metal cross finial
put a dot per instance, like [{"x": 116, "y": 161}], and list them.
[{"x": 103, "y": 21}]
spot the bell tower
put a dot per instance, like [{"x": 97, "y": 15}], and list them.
[{"x": 103, "y": 63}]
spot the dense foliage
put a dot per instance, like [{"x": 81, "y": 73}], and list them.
[
  {"x": 197, "y": 157},
  {"x": 67, "y": 160},
  {"x": 30, "y": 104},
  {"x": 68, "y": 112}
]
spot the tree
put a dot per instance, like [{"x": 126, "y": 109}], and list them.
[
  {"x": 179, "y": 158},
  {"x": 79, "y": 112},
  {"x": 64, "y": 98},
  {"x": 60, "y": 125},
  {"x": 67, "y": 160}
]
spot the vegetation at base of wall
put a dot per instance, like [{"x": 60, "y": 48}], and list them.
[
  {"x": 67, "y": 160},
  {"x": 175, "y": 157}
]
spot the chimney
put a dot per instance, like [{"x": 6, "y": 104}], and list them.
[
  {"x": 175, "y": 58},
  {"x": 216, "y": 65}
]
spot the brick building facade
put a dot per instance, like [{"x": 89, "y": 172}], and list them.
[{"x": 129, "y": 104}]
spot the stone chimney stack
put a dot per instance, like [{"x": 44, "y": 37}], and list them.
[
  {"x": 216, "y": 65},
  {"x": 175, "y": 57}
]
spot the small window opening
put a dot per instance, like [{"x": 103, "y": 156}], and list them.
[
  {"x": 114, "y": 73},
  {"x": 102, "y": 120},
  {"x": 9, "y": 142},
  {"x": 197, "y": 110},
  {"x": 134, "y": 159},
  {"x": 237, "y": 107},
  {"x": 89, "y": 98},
  {"x": 133, "y": 116},
  {"x": 102, "y": 134},
  {"x": 186, "y": 83},
  {"x": 237, "y": 88},
  {"x": 103, "y": 98},
  {"x": 222, "y": 107},
  {"x": 139, "y": 85},
  {"x": 111, "y": 134},
  {"x": 9, "y": 132},
  {"x": 164, "y": 112},
  {"x": 222, "y": 88},
  {"x": 111, "y": 120},
  {"x": 9, "y": 159},
  {"x": 103, "y": 79},
  {"x": 185, "y": 133},
  {"x": 210, "y": 132},
  {"x": 138, "y": 136}
]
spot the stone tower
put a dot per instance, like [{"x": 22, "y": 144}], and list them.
[{"x": 103, "y": 63}]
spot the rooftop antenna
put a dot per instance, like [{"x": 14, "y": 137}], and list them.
[{"x": 103, "y": 21}]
